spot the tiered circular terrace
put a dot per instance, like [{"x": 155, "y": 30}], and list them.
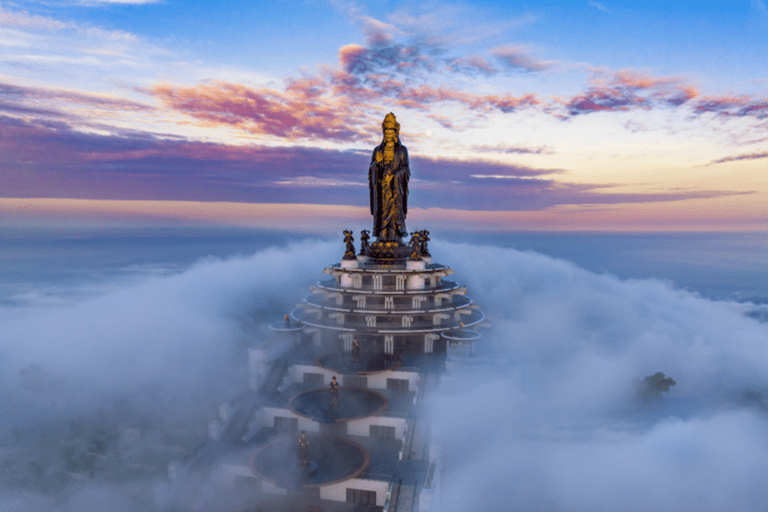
[
  {"x": 365, "y": 364},
  {"x": 397, "y": 307},
  {"x": 334, "y": 460},
  {"x": 288, "y": 326},
  {"x": 352, "y": 404},
  {"x": 369, "y": 299},
  {"x": 461, "y": 335}
]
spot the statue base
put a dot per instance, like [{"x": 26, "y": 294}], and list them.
[
  {"x": 388, "y": 251},
  {"x": 416, "y": 265},
  {"x": 349, "y": 263}
]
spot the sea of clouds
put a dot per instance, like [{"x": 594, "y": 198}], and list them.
[
  {"x": 558, "y": 426},
  {"x": 548, "y": 420}
]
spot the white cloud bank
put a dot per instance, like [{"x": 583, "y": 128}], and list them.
[
  {"x": 178, "y": 334},
  {"x": 554, "y": 426},
  {"x": 558, "y": 426}
]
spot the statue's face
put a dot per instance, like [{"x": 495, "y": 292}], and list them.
[{"x": 389, "y": 135}]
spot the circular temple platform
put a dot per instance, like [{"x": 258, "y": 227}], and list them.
[
  {"x": 289, "y": 325},
  {"x": 353, "y": 404},
  {"x": 366, "y": 364},
  {"x": 460, "y": 335},
  {"x": 332, "y": 459}
]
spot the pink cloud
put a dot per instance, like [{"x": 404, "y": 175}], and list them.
[
  {"x": 629, "y": 89},
  {"x": 733, "y": 106},
  {"x": 520, "y": 58},
  {"x": 472, "y": 64},
  {"x": 373, "y": 87},
  {"x": 746, "y": 156},
  {"x": 377, "y": 32},
  {"x": 302, "y": 111},
  {"x": 422, "y": 96},
  {"x": 387, "y": 72},
  {"x": 359, "y": 60},
  {"x": 720, "y": 103},
  {"x": 18, "y": 93},
  {"x": 350, "y": 54},
  {"x": 664, "y": 90}
]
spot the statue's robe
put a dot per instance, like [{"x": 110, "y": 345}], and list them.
[{"x": 388, "y": 184}]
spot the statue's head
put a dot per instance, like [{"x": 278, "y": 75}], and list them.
[{"x": 390, "y": 123}]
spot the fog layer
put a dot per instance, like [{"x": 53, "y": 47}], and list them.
[
  {"x": 557, "y": 424},
  {"x": 177, "y": 335},
  {"x": 547, "y": 420}
]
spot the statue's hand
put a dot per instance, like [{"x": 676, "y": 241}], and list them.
[{"x": 379, "y": 157}]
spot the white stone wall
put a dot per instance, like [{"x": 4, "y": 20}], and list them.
[
  {"x": 379, "y": 380},
  {"x": 425, "y": 500},
  {"x": 338, "y": 492},
  {"x": 362, "y": 427},
  {"x": 268, "y": 417},
  {"x": 349, "y": 264}
]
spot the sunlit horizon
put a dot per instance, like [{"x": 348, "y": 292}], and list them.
[{"x": 328, "y": 219}]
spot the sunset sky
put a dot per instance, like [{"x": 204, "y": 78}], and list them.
[{"x": 610, "y": 115}]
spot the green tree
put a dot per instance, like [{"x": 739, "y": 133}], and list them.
[{"x": 653, "y": 386}]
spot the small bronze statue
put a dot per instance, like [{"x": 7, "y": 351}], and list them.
[
  {"x": 303, "y": 450},
  {"x": 424, "y": 239},
  {"x": 355, "y": 351},
  {"x": 349, "y": 254},
  {"x": 333, "y": 389},
  {"x": 388, "y": 176},
  {"x": 364, "y": 237},
  {"x": 415, "y": 246}
]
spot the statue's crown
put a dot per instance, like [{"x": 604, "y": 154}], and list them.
[{"x": 390, "y": 123}]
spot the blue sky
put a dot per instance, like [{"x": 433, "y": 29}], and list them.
[{"x": 553, "y": 115}]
